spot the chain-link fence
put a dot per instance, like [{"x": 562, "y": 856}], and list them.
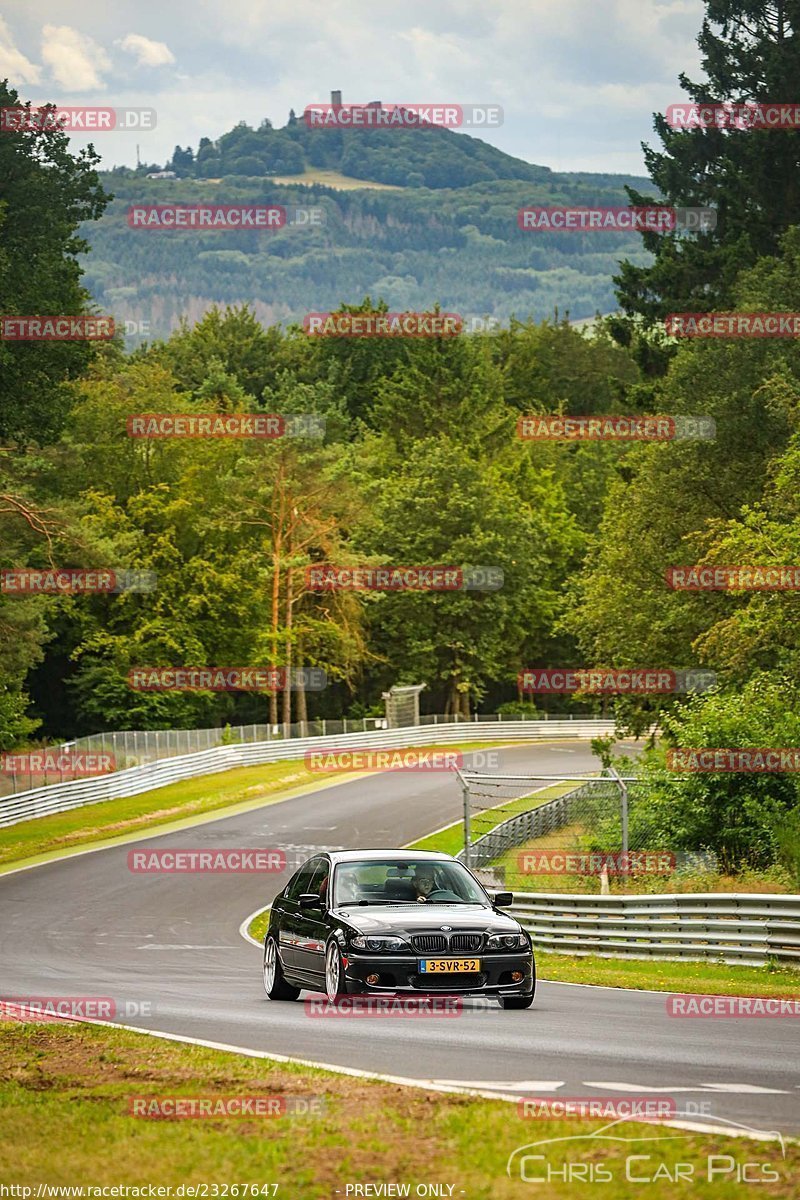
[
  {"x": 115, "y": 751},
  {"x": 589, "y": 833}
]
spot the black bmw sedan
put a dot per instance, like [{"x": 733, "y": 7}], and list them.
[{"x": 394, "y": 921}]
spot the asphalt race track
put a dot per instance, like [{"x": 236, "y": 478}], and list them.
[{"x": 88, "y": 926}]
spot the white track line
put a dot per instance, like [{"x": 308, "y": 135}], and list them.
[
  {"x": 245, "y": 925},
  {"x": 419, "y": 1084}
]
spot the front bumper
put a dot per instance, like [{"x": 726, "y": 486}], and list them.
[{"x": 400, "y": 973}]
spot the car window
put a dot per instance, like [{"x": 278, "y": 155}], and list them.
[
  {"x": 319, "y": 881},
  {"x": 408, "y": 881},
  {"x": 304, "y": 878}
]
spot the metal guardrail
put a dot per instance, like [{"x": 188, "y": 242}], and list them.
[
  {"x": 729, "y": 927},
  {"x": 25, "y": 806},
  {"x": 134, "y": 747}
]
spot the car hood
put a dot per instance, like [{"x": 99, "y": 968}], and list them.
[{"x": 424, "y": 918}]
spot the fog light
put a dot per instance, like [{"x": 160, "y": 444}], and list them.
[
  {"x": 516, "y": 976},
  {"x": 375, "y": 979}
]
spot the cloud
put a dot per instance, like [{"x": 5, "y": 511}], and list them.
[
  {"x": 75, "y": 61},
  {"x": 13, "y": 63},
  {"x": 578, "y": 81},
  {"x": 147, "y": 52}
]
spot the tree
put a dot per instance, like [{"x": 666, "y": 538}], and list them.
[
  {"x": 26, "y": 527},
  {"x": 735, "y": 814},
  {"x": 750, "y": 52},
  {"x": 684, "y": 502},
  {"x": 235, "y": 338},
  {"x": 441, "y": 505},
  {"x": 183, "y": 160},
  {"x": 46, "y": 192}
]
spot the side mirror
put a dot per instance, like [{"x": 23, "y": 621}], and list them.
[
  {"x": 502, "y": 899},
  {"x": 309, "y": 900}
]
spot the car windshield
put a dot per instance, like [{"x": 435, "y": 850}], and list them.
[{"x": 411, "y": 881}]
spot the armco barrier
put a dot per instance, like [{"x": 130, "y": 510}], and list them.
[
  {"x": 723, "y": 926},
  {"x": 135, "y": 747},
  {"x": 25, "y": 806}
]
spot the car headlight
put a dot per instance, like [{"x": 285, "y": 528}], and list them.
[
  {"x": 378, "y": 943},
  {"x": 507, "y": 941}
]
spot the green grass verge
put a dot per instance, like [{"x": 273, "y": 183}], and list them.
[
  {"x": 711, "y": 979},
  {"x": 258, "y": 926},
  {"x": 169, "y": 808},
  {"x": 571, "y": 839},
  {"x": 451, "y": 839},
  {"x": 65, "y": 1095}
]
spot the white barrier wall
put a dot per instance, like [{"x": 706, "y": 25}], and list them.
[{"x": 24, "y": 806}]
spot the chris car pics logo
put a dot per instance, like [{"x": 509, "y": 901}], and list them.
[{"x": 614, "y": 1153}]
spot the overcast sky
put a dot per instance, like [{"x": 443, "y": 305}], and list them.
[{"x": 578, "y": 79}]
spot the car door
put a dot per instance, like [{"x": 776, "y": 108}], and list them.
[
  {"x": 289, "y": 929},
  {"x": 312, "y": 926}
]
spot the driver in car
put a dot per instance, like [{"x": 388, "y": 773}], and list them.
[{"x": 426, "y": 888}]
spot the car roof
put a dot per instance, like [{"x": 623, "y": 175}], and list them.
[{"x": 343, "y": 856}]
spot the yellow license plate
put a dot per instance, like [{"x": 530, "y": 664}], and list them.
[{"x": 447, "y": 965}]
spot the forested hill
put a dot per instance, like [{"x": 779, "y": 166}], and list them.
[
  {"x": 415, "y": 217},
  {"x": 430, "y": 156}
]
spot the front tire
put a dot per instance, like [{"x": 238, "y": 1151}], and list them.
[
  {"x": 335, "y": 985},
  {"x": 275, "y": 984}
]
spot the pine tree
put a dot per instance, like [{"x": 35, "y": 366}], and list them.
[{"x": 751, "y": 52}]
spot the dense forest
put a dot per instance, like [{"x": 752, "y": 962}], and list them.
[
  {"x": 420, "y": 462},
  {"x": 459, "y": 245}
]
